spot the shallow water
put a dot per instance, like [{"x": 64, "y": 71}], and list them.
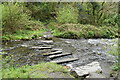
[{"x": 87, "y": 50}]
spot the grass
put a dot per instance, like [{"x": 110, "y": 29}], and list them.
[
  {"x": 115, "y": 51},
  {"x": 73, "y": 31},
  {"x": 23, "y": 34},
  {"x": 35, "y": 71}
]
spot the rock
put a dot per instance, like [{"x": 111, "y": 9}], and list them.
[
  {"x": 39, "y": 37},
  {"x": 56, "y": 49},
  {"x": 70, "y": 66},
  {"x": 99, "y": 53},
  {"x": 58, "y": 55},
  {"x": 47, "y": 41},
  {"x": 84, "y": 71},
  {"x": 52, "y": 53},
  {"x": 64, "y": 60},
  {"x": 94, "y": 52},
  {"x": 68, "y": 42},
  {"x": 47, "y": 35},
  {"x": 78, "y": 73},
  {"x": 37, "y": 47},
  {"x": 87, "y": 76},
  {"x": 24, "y": 45},
  {"x": 95, "y": 75}
]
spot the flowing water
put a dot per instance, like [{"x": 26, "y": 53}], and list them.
[{"x": 87, "y": 50}]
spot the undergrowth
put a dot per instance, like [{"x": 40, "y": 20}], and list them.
[
  {"x": 35, "y": 71},
  {"x": 77, "y": 31}
]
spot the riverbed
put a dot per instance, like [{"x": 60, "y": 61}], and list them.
[{"x": 87, "y": 50}]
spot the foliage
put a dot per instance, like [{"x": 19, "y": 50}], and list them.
[
  {"x": 67, "y": 14},
  {"x": 115, "y": 67},
  {"x": 14, "y": 17},
  {"x": 97, "y": 13},
  {"x": 90, "y": 19},
  {"x": 69, "y": 34},
  {"x": 84, "y": 31},
  {"x": 42, "y": 11},
  {"x": 23, "y": 34},
  {"x": 35, "y": 71},
  {"x": 115, "y": 51},
  {"x": 17, "y": 23}
]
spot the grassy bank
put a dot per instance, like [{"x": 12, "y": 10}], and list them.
[
  {"x": 42, "y": 70},
  {"x": 23, "y": 35},
  {"x": 71, "y": 31},
  {"x": 115, "y": 51},
  {"x": 76, "y": 31}
]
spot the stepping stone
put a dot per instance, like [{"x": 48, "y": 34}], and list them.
[
  {"x": 47, "y": 35},
  {"x": 56, "y": 49},
  {"x": 47, "y": 41},
  {"x": 64, "y": 60},
  {"x": 50, "y": 50},
  {"x": 68, "y": 42},
  {"x": 36, "y": 47},
  {"x": 59, "y": 55},
  {"x": 52, "y": 53}
]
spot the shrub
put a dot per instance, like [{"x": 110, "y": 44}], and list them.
[
  {"x": 67, "y": 14},
  {"x": 14, "y": 17},
  {"x": 84, "y": 31},
  {"x": 69, "y": 34},
  {"x": 90, "y": 34}
]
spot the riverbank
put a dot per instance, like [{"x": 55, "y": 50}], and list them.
[
  {"x": 77, "y": 31},
  {"x": 23, "y": 35},
  {"x": 69, "y": 31},
  {"x": 42, "y": 70}
]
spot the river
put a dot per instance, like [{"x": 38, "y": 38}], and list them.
[{"x": 87, "y": 50}]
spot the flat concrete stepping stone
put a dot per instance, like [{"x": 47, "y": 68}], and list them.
[
  {"x": 59, "y": 55},
  {"x": 64, "y": 60},
  {"x": 47, "y": 41},
  {"x": 47, "y": 35},
  {"x": 45, "y": 51},
  {"x": 52, "y": 53},
  {"x": 36, "y": 47},
  {"x": 56, "y": 49}
]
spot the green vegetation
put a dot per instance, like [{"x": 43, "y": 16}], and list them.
[
  {"x": 36, "y": 71},
  {"x": 23, "y": 34},
  {"x": 67, "y": 14},
  {"x": 17, "y": 24},
  {"x": 67, "y": 20},
  {"x": 115, "y": 51},
  {"x": 83, "y": 31}
]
